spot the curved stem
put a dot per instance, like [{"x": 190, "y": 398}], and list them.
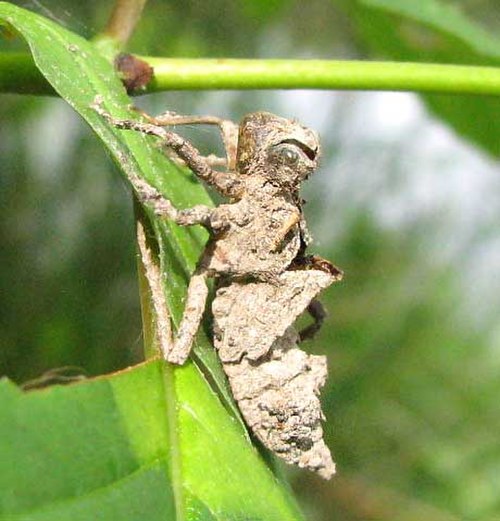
[
  {"x": 123, "y": 19},
  {"x": 121, "y": 24}
]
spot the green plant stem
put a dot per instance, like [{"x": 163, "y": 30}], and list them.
[
  {"x": 18, "y": 74},
  {"x": 322, "y": 74}
]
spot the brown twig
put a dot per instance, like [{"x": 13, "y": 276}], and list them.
[{"x": 123, "y": 19}]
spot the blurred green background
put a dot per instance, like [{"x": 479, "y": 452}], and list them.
[{"x": 406, "y": 202}]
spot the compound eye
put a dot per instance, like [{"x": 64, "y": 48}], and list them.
[{"x": 289, "y": 155}]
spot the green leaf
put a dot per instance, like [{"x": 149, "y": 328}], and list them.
[
  {"x": 434, "y": 31},
  {"x": 78, "y": 73},
  {"x": 107, "y": 449},
  {"x": 153, "y": 439}
]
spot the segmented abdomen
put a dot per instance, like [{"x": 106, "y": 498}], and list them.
[{"x": 275, "y": 383}]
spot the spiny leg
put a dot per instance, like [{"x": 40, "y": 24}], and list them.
[
  {"x": 174, "y": 349},
  {"x": 212, "y": 160},
  {"x": 193, "y": 312},
  {"x": 163, "y": 207},
  {"x": 227, "y": 183},
  {"x": 152, "y": 273},
  {"x": 228, "y": 130}
]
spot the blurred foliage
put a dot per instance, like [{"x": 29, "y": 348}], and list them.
[
  {"x": 411, "y": 402},
  {"x": 433, "y": 31}
]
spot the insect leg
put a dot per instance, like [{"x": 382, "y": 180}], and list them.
[
  {"x": 193, "y": 312},
  {"x": 286, "y": 226},
  {"x": 318, "y": 313},
  {"x": 228, "y": 129},
  {"x": 227, "y": 183}
]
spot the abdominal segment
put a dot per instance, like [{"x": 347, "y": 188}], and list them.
[{"x": 275, "y": 383}]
